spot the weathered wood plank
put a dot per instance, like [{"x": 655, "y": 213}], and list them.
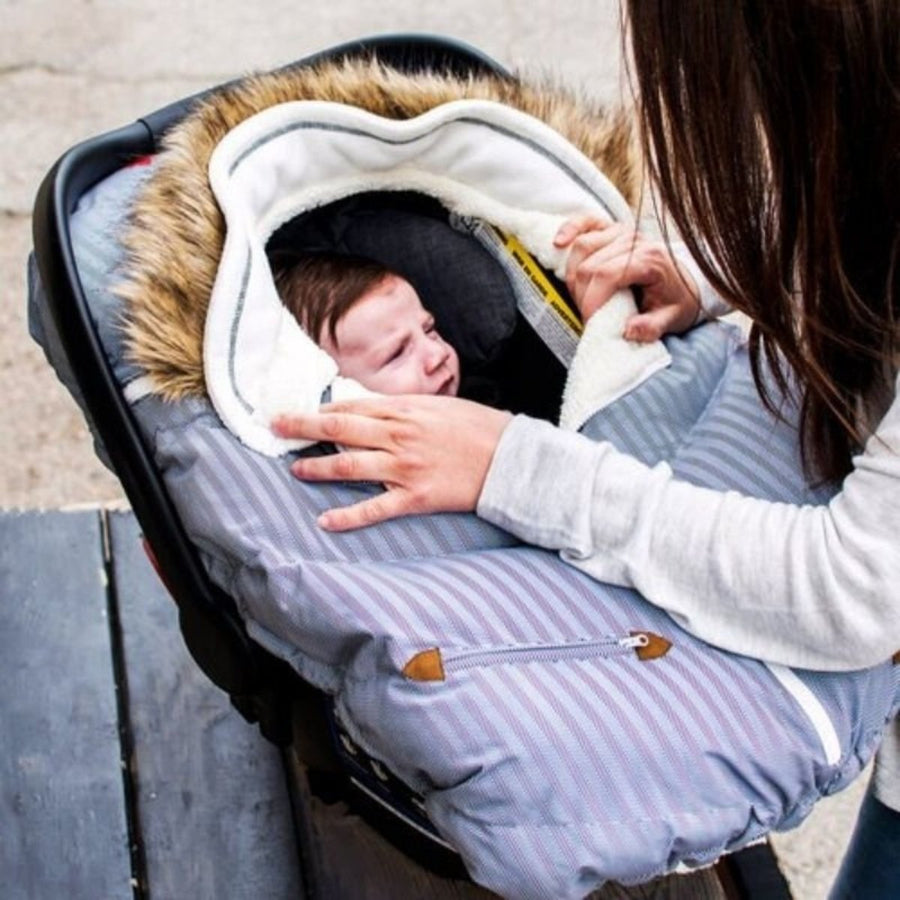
[
  {"x": 344, "y": 857},
  {"x": 211, "y": 795},
  {"x": 63, "y": 830}
]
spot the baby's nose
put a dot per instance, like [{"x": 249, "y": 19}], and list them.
[{"x": 436, "y": 354}]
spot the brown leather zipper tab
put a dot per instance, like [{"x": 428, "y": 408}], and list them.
[
  {"x": 425, "y": 666},
  {"x": 895, "y": 659},
  {"x": 655, "y": 647}
]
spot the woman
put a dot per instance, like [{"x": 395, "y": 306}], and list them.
[{"x": 772, "y": 131}]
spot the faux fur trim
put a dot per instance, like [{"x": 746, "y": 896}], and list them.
[{"x": 176, "y": 233}]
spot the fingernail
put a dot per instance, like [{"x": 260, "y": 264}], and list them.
[
  {"x": 281, "y": 425},
  {"x": 324, "y": 521}
]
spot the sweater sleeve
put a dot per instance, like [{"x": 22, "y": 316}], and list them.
[{"x": 806, "y": 586}]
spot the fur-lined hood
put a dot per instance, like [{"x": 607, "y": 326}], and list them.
[{"x": 175, "y": 238}]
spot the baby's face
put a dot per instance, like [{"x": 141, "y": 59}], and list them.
[{"x": 388, "y": 342}]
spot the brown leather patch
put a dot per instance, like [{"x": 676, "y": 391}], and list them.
[
  {"x": 655, "y": 647},
  {"x": 895, "y": 659},
  {"x": 425, "y": 666}
]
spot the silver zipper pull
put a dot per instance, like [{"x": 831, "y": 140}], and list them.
[{"x": 632, "y": 642}]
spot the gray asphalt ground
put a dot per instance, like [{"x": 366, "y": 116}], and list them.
[{"x": 70, "y": 70}]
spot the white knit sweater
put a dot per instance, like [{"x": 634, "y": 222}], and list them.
[{"x": 810, "y": 587}]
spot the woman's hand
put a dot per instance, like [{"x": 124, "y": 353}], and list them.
[
  {"x": 431, "y": 453},
  {"x": 608, "y": 256}
]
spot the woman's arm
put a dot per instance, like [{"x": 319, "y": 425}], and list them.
[{"x": 813, "y": 587}]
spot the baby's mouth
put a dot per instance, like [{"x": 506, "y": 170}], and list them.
[{"x": 446, "y": 388}]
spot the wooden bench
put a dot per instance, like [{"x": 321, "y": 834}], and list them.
[{"x": 124, "y": 773}]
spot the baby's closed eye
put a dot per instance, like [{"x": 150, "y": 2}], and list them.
[{"x": 395, "y": 353}]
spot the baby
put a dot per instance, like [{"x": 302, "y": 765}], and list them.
[{"x": 370, "y": 320}]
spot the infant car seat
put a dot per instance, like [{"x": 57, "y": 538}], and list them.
[{"x": 262, "y": 686}]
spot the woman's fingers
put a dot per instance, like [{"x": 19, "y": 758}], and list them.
[
  {"x": 605, "y": 257},
  {"x": 648, "y": 327},
  {"x": 349, "y": 465},
  {"x": 577, "y": 225},
  {"x": 600, "y": 277},
  {"x": 588, "y": 243},
  {"x": 388, "y": 505},
  {"x": 616, "y": 261},
  {"x": 662, "y": 318},
  {"x": 347, "y": 428},
  {"x": 671, "y": 303},
  {"x": 432, "y": 453},
  {"x": 600, "y": 262},
  {"x": 381, "y": 407}
]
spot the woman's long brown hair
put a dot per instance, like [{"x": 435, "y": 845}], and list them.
[{"x": 772, "y": 132}]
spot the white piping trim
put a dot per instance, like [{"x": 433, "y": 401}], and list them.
[{"x": 810, "y": 704}]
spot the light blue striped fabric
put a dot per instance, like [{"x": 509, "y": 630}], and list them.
[{"x": 552, "y": 758}]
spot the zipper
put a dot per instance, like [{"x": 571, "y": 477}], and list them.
[{"x": 435, "y": 664}]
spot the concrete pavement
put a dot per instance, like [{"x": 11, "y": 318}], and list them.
[{"x": 70, "y": 70}]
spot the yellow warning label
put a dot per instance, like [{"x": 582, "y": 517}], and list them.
[{"x": 551, "y": 296}]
